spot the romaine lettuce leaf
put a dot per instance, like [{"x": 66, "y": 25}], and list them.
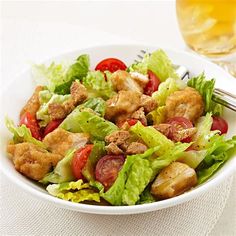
[
  {"x": 157, "y": 116},
  {"x": 158, "y": 62},
  {"x": 51, "y": 75},
  {"x": 76, "y": 71},
  {"x": 152, "y": 138},
  {"x": 139, "y": 176},
  {"x": 71, "y": 121},
  {"x": 114, "y": 194},
  {"x": 59, "y": 77},
  {"x": 21, "y": 133},
  {"x": 46, "y": 98},
  {"x": 204, "y": 133},
  {"x": 161, "y": 66},
  {"x": 88, "y": 122},
  {"x": 219, "y": 152},
  {"x": 193, "y": 158},
  {"x": 171, "y": 154},
  {"x": 96, "y": 104},
  {"x": 97, "y": 86},
  {"x": 62, "y": 172},
  {"x": 141, "y": 67},
  {"x": 73, "y": 191},
  {"x": 97, "y": 152},
  {"x": 206, "y": 88},
  {"x": 146, "y": 196},
  {"x": 165, "y": 89}
]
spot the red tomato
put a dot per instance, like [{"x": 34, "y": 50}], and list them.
[
  {"x": 51, "y": 126},
  {"x": 132, "y": 122},
  {"x": 79, "y": 160},
  {"x": 30, "y": 122},
  {"x": 219, "y": 124},
  {"x": 180, "y": 123},
  {"x": 111, "y": 64},
  {"x": 107, "y": 169},
  {"x": 152, "y": 84}
]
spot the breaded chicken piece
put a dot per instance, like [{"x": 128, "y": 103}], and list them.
[
  {"x": 33, "y": 103},
  {"x": 186, "y": 103},
  {"x": 60, "y": 141},
  {"x": 148, "y": 103},
  {"x": 31, "y": 160},
  {"x": 174, "y": 180},
  {"x": 122, "y": 80},
  {"x": 78, "y": 95},
  {"x": 125, "y": 102}
]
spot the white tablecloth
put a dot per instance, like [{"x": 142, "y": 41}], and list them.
[{"x": 32, "y": 32}]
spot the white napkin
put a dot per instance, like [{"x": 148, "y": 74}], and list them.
[{"x": 22, "y": 214}]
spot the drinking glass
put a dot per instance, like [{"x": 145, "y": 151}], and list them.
[{"x": 209, "y": 28}]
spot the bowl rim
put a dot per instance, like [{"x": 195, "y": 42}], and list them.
[{"x": 121, "y": 210}]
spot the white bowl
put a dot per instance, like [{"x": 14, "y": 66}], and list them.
[{"x": 16, "y": 94}]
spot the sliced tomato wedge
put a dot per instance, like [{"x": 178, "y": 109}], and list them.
[
  {"x": 178, "y": 123},
  {"x": 30, "y": 122},
  {"x": 219, "y": 124},
  {"x": 79, "y": 160},
  {"x": 132, "y": 122},
  {"x": 107, "y": 169},
  {"x": 51, "y": 126},
  {"x": 111, "y": 64},
  {"x": 152, "y": 84}
]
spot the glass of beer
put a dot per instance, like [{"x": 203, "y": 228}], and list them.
[{"x": 208, "y": 26}]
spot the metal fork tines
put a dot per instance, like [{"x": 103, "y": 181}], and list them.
[{"x": 219, "y": 95}]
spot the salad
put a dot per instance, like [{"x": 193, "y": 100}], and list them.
[{"x": 117, "y": 134}]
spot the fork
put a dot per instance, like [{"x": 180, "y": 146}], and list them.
[{"x": 219, "y": 95}]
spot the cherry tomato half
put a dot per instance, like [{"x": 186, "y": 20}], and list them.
[
  {"x": 180, "y": 123},
  {"x": 30, "y": 122},
  {"x": 51, "y": 126},
  {"x": 107, "y": 169},
  {"x": 152, "y": 84},
  {"x": 111, "y": 64},
  {"x": 79, "y": 160},
  {"x": 219, "y": 124}
]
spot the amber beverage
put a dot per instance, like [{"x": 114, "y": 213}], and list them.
[{"x": 208, "y": 26}]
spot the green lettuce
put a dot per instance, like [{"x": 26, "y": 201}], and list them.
[
  {"x": 76, "y": 71},
  {"x": 157, "y": 116},
  {"x": 114, "y": 194},
  {"x": 165, "y": 89},
  {"x": 146, "y": 196},
  {"x": 97, "y": 86},
  {"x": 21, "y": 133},
  {"x": 88, "y": 122},
  {"x": 158, "y": 62},
  {"x": 97, "y": 152},
  {"x": 193, "y": 158},
  {"x": 218, "y": 152},
  {"x": 51, "y": 75},
  {"x": 46, "y": 98},
  {"x": 161, "y": 66},
  {"x": 73, "y": 191},
  {"x": 152, "y": 138},
  {"x": 206, "y": 88},
  {"x": 62, "y": 172},
  {"x": 59, "y": 77},
  {"x": 71, "y": 122},
  {"x": 138, "y": 178},
  {"x": 141, "y": 67},
  {"x": 171, "y": 154},
  {"x": 204, "y": 133}
]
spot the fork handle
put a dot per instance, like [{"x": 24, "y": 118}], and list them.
[{"x": 224, "y": 98}]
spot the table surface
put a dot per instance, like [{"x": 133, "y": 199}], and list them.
[{"x": 119, "y": 21}]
